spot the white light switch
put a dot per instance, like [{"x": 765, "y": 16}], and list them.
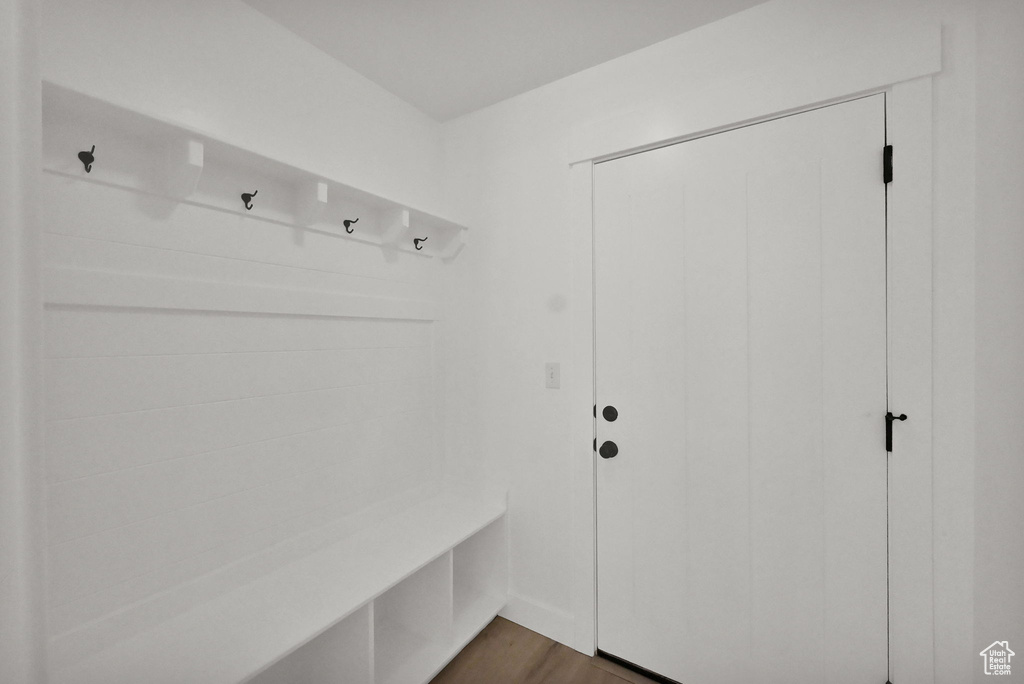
[{"x": 552, "y": 375}]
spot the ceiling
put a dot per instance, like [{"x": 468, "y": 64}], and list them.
[{"x": 450, "y": 57}]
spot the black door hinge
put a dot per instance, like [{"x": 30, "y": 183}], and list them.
[
  {"x": 889, "y": 418},
  {"x": 887, "y": 163}
]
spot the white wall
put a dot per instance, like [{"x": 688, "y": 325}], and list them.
[
  {"x": 21, "y": 567},
  {"x": 999, "y": 471},
  {"x": 191, "y": 446},
  {"x": 227, "y": 70},
  {"x": 509, "y": 176}
]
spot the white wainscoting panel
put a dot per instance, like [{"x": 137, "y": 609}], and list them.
[{"x": 224, "y": 395}]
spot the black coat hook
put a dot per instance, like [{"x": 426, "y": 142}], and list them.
[
  {"x": 87, "y": 158},
  {"x": 416, "y": 243},
  {"x": 247, "y": 199},
  {"x": 348, "y": 223}
]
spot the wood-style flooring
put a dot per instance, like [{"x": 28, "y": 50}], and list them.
[{"x": 506, "y": 653}]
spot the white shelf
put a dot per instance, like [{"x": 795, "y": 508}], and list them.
[
  {"x": 475, "y": 615},
  {"x": 413, "y": 625},
  {"x": 404, "y": 657},
  {"x": 167, "y": 159},
  {"x": 345, "y": 648},
  {"x": 241, "y": 633},
  {"x": 480, "y": 579}
]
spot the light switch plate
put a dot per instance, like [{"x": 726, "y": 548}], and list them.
[{"x": 553, "y": 375}]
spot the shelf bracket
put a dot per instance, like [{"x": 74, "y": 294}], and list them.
[
  {"x": 454, "y": 247},
  {"x": 184, "y": 167},
  {"x": 311, "y": 202},
  {"x": 396, "y": 222}
]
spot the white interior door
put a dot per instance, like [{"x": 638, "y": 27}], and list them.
[{"x": 740, "y": 323}]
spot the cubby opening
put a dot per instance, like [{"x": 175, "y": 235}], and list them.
[
  {"x": 341, "y": 655},
  {"x": 413, "y": 625},
  {"x": 480, "y": 580}
]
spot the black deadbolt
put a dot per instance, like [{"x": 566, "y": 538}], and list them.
[
  {"x": 609, "y": 450},
  {"x": 610, "y": 413}
]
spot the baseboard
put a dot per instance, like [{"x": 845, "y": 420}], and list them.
[{"x": 538, "y": 617}]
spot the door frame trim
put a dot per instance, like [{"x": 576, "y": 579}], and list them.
[{"x": 909, "y": 299}]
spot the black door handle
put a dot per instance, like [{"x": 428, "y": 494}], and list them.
[
  {"x": 610, "y": 413},
  {"x": 608, "y": 450},
  {"x": 889, "y": 417}
]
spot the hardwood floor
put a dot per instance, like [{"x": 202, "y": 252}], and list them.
[{"x": 506, "y": 653}]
